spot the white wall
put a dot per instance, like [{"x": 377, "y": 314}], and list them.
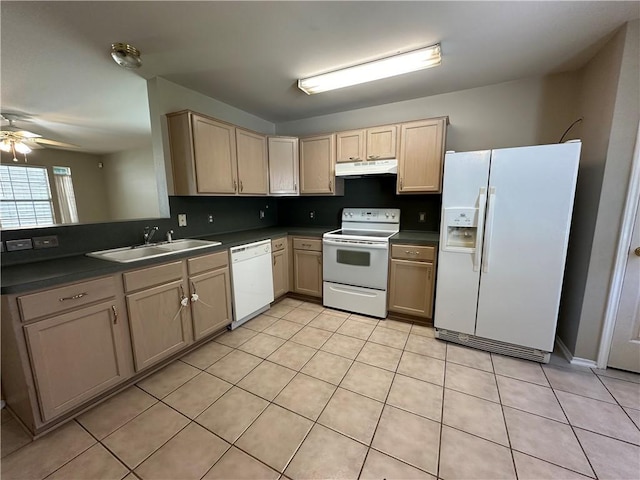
[
  {"x": 522, "y": 112},
  {"x": 610, "y": 103},
  {"x": 167, "y": 97},
  {"x": 131, "y": 187}
]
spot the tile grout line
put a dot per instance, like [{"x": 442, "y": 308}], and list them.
[
  {"x": 444, "y": 383},
  {"x": 595, "y": 475},
  {"x": 504, "y": 418},
  {"x": 617, "y": 401}
]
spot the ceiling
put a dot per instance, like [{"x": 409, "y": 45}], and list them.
[{"x": 56, "y": 72}]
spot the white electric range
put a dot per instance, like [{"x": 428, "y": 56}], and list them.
[{"x": 356, "y": 260}]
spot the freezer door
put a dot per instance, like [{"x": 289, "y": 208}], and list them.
[
  {"x": 465, "y": 182},
  {"x": 530, "y": 201}
]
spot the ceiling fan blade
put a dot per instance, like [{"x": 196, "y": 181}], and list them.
[
  {"x": 45, "y": 142},
  {"x": 26, "y": 134}
]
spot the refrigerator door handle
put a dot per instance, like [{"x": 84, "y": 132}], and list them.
[
  {"x": 489, "y": 229},
  {"x": 482, "y": 203}
]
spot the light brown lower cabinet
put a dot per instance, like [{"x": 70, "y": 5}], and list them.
[
  {"x": 307, "y": 266},
  {"x": 160, "y": 324},
  {"x": 280, "y": 255},
  {"x": 212, "y": 310},
  {"x": 411, "y": 280},
  {"x": 67, "y": 346},
  {"x": 77, "y": 355}
]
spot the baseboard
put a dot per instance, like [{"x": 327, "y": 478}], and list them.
[{"x": 577, "y": 361}]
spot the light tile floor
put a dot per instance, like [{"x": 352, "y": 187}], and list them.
[{"x": 306, "y": 392}]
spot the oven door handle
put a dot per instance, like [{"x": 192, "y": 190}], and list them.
[
  {"x": 351, "y": 291},
  {"x": 372, "y": 246}
]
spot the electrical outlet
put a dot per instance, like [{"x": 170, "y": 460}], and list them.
[
  {"x": 312, "y": 214},
  {"x": 422, "y": 217},
  {"x": 45, "y": 242},
  {"x": 210, "y": 218},
  {"x": 261, "y": 214},
  {"x": 182, "y": 219}
]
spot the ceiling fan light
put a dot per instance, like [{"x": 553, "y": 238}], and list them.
[
  {"x": 366, "y": 72},
  {"x": 22, "y": 148},
  {"x": 126, "y": 55}
]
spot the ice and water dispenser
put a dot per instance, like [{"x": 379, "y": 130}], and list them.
[{"x": 460, "y": 229}]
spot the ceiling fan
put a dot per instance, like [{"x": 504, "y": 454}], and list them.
[{"x": 15, "y": 140}]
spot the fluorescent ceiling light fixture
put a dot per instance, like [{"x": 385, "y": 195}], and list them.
[{"x": 366, "y": 72}]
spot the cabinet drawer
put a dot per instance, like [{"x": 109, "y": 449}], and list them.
[
  {"x": 278, "y": 244},
  {"x": 413, "y": 252},
  {"x": 208, "y": 262},
  {"x": 149, "y": 277},
  {"x": 65, "y": 298},
  {"x": 307, "y": 244}
]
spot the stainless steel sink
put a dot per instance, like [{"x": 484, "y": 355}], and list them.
[{"x": 143, "y": 252}]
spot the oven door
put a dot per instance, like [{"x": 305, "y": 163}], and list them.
[{"x": 361, "y": 264}]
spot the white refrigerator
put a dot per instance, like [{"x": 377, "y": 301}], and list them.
[{"x": 503, "y": 242}]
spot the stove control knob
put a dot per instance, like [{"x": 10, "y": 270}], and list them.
[
  {"x": 351, "y": 214},
  {"x": 386, "y": 215},
  {"x": 393, "y": 215}
]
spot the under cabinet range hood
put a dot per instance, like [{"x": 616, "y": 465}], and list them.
[{"x": 370, "y": 167}]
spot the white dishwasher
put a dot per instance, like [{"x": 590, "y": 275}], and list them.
[{"x": 251, "y": 280}]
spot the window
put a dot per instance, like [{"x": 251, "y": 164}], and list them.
[
  {"x": 66, "y": 195},
  {"x": 25, "y": 197}
]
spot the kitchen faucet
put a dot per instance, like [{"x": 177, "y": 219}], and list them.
[{"x": 148, "y": 234}]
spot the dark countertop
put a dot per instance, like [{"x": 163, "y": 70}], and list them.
[{"x": 49, "y": 273}]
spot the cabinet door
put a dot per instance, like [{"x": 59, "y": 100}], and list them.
[
  {"x": 214, "y": 145},
  {"x": 317, "y": 164},
  {"x": 212, "y": 311},
  {"x": 280, "y": 273},
  {"x": 421, "y": 156},
  {"x": 78, "y": 355},
  {"x": 411, "y": 288},
  {"x": 283, "y": 166},
  {"x": 159, "y": 323},
  {"x": 252, "y": 163},
  {"x": 307, "y": 266},
  {"x": 350, "y": 146},
  {"x": 382, "y": 142}
]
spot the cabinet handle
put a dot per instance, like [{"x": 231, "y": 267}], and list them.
[
  {"x": 115, "y": 314},
  {"x": 400, "y": 183},
  {"x": 235, "y": 185},
  {"x": 329, "y": 185},
  {"x": 319, "y": 260},
  {"x": 274, "y": 260},
  {"x": 74, "y": 297},
  {"x": 411, "y": 253},
  {"x": 306, "y": 245},
  {"x": 193, "y": 287},
  {"x": 241, "y": 187},
  {"x": 373, "y": 157},
  {"x": 295, "y": 187},
  {"x": 429, "y": 274}
]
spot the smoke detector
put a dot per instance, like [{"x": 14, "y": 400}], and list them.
[{"x": 126, "y": 55}]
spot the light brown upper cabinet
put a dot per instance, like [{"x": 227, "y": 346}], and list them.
[
  {"x": 253, "y": 176},
  {"x": 283, "y": 166},
  {"x": 376, "y": 143},
  {"x": 203, "y": 154},
  {"x": 317, "y": 166},
  {"x": 210, "y": 157},
  {"x": 421, "y": 156}
]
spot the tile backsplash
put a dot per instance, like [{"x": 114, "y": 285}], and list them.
[{"x": 231, "y": 214}]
